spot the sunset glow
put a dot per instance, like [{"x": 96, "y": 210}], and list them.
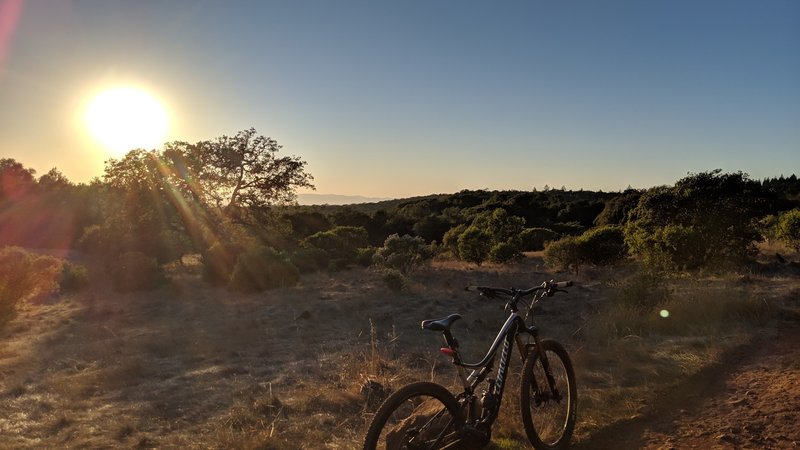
[{"x": 124, "y": 118}]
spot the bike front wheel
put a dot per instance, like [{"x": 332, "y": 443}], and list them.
[
  {"x": 548, "y": 405},
  {"x": 420, "y": 416}
]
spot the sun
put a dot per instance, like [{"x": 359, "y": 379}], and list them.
[{"x": 125, "y": 118}]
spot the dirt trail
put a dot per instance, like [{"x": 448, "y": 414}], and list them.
[{"x": 751, "y": 401}]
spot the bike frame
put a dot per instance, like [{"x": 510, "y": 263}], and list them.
[{"x": 510, "y": 332}]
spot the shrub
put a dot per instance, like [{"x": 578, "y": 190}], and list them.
[
  {"x": 450, "y": 239},
  {"x": 171, "y": 246},
  {"x": 219, "y": 261},
  {"x": 534, "y": 239},
  {"x": 603, "y": 245},
  {"x": 260, "y": 269},
  {"x": 102, "y": 241},
  {"x": 73, "y": 277},
  {"x": 705, "y": 220},
  {"x": 403, "y": 254},
  {"x": 340, "y": 243},
  {"x": 569, "y": 228},
  {"x": 564, "y": 253},
  {"x": 644, "y": 290},
  {"x": 308, "y": 260},
  {"x": 474, "y": 245},
  {"x": 394, "y": 280},
  {"x": 365, "y": 256},
  {"x": 788, "y": 228},
  {"x": 598, "y": 246},
  {"x": 23, "y": 274},
  {"x": 135, "y": 271},
  {"x": 499, "y": 225},
  {"x": 504, "y": 252}
]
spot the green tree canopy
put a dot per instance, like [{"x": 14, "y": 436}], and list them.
[
  {"x": 705, "y": 219},
  {"x": 788, "y": 228},
  {"x": 241, "y": 171}
]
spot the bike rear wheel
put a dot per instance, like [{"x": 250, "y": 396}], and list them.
[
  {"x": 420, "y": 416},
  {"x": 548, "y": 414}
]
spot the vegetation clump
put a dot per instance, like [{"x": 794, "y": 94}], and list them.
[
  {"x": 707, "y": 220},
  {"x": 599, "y": 246},
  {"x": 402, "y": 253},
  {"x": 261, "y": 269},
  {"x": 787, "y": 228},
  {"x": 394, "y": 280},
  {"x": 534, "y": 239},
  {"x": 136, "y": 271},
  {"x": 219, "y": 261},
  {"x": 23, "y": 274},
  {"x": 73, "y": 277},
  {"x": 340, "y": 244}
]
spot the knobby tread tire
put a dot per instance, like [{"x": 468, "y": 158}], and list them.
[
  {"x": 394, "y": 401},
  {"x": 554, "y": 348}
]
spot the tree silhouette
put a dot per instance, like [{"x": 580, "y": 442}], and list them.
[{"x": 240, "y": 172}]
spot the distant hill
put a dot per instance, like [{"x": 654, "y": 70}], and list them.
[{"x": 333, "y": 199}]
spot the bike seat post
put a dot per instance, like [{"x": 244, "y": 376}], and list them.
[
  {"x": 462, "y": 373},
  {"x": 451, "y": 341}
]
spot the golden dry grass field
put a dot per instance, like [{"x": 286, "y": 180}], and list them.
[{"x": 191, "y": 366}]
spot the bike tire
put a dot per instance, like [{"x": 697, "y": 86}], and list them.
[
  {"x": 385, "y": 429},
  {"x": 549, "y": 423}
]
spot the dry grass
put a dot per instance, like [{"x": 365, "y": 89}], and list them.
[{"x": 190, "y": 366}]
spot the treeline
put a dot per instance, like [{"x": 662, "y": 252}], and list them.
[{"x": 230, "y": 200}]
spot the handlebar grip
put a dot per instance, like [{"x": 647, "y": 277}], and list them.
[{"x": 563, "y": 284}]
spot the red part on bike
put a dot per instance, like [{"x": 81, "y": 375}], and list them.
[{"x": 448, "y": 351}]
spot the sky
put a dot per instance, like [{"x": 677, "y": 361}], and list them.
[{"x": 404, "y": 98}]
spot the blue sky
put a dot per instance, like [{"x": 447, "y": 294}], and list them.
[{"x": 394, "y": 99}]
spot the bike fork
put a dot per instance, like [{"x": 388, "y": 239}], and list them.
[{"x": 551, "y": 381}]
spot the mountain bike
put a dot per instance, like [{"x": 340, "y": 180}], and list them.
[{"x": 425, "y": 415}]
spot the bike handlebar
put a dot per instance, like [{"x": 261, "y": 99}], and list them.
[{"x": 549, "y": 286}]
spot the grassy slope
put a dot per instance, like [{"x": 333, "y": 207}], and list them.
[{"x": 192, "y": 366}]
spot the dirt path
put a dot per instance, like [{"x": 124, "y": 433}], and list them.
[{"x": 750, "y": 402}]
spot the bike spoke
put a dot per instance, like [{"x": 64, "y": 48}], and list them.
[{"x": 549, "y": 412}]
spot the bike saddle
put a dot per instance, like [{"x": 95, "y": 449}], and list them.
[{"x": 440, "y": 324}]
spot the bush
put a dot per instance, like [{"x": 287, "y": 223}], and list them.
[
  {"x": 569, "y": 228},
  {"x": 261, "y": 269},
  {"x": 73, "y": 277},
  {"x": 219, "y": 261},
  {"x": 403, "y": 254},
  {"x": 308, "y": 260},
  {"x": 598, "y": 246},
  {"x": 788, "y": 228},
  {"x": 474, "y": 245},
  {"x": 504, "y": 252},
  {"x": 707, "y": 220},
  {"x": 644, "y": 290},
  {"x": 603, "y": 245},
  {"x": 340, "y": 243},
  {"x": 394, "y": 280},
  {"x": 135, "y": 271},
  {"x": 365, "y": 256},
  {"x": 499, "y": 225},
  {"x": 450, "y": 239},
  {"x": 23, "y": 274},
  {"x": 563, "y": 254},
  {"x": 171, "y": 246},
  {"x": 534, "y": 239},
  {"x": 103, "y": 242}
]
